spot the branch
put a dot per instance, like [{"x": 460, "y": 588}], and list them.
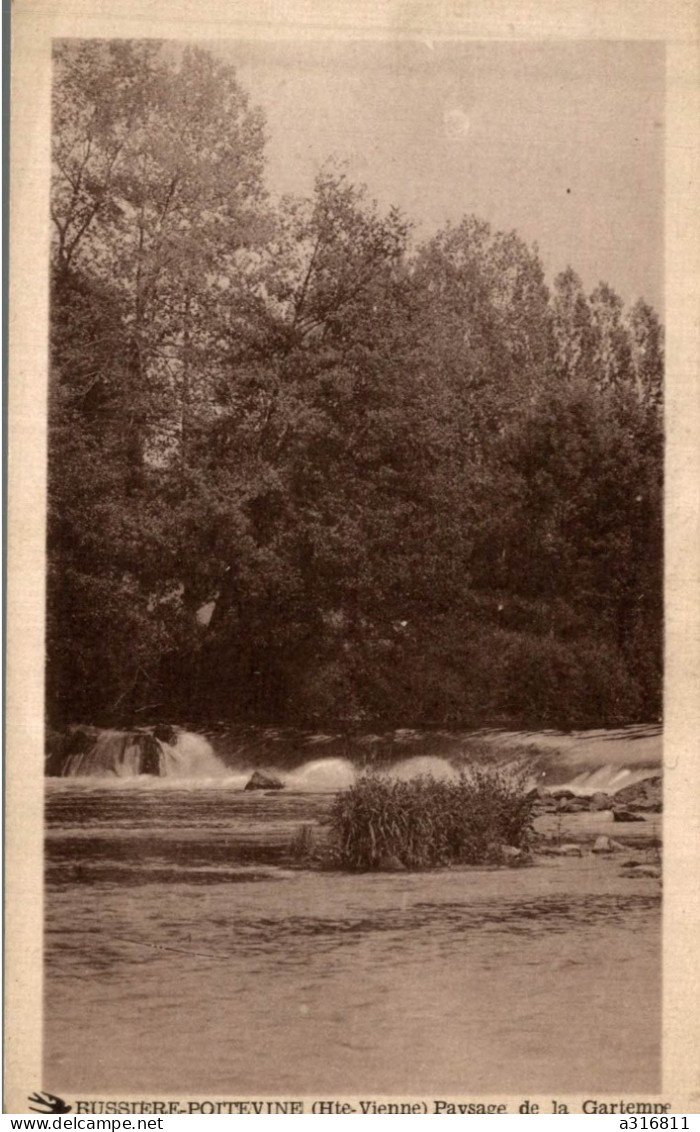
[
  {"x": 299, "y": 303},
  {"x": 92, "y": 213}
]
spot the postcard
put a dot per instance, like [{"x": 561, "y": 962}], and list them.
[{"x": 353, "y": 668}]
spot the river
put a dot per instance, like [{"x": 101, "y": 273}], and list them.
[{"x": 185, "y": 956}]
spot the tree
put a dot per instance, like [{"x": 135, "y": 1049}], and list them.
[
  {"x": 490, "y": 331},
  {"x": 574, "y": 331},
  {"x": 158, "y": 163},
  {"x": 412, "y": 486},
  {"x": 647, "y": 349},
  {"x": 612, "y": 358},
  {"x": 309, "y": 448},
  {"x": 157, "y": 190}
]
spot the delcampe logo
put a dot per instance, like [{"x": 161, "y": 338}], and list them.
[{"x": 48, "y": 1103}]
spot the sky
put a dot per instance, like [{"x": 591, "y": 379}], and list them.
[{"x": 562, "y": 141}]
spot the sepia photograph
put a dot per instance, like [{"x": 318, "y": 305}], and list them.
[{"x": 352, "y": 684}]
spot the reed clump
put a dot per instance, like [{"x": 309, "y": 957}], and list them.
[{"x": 383, "y": 822}]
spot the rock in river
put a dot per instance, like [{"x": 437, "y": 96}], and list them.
[
  {"x": 605, "y": 844},
  {"x": 600, "y": 801},
  {"x": 644, "y": 795},
  {"x": 626, "y": 815},
  {"x": 260, "y": 781}
]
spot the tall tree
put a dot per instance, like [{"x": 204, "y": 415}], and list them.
[
  {"x": 157, "y": 192},
  {"x": 574, "y": 331},
  {"x": 309, "y": 448},
  {"x": 647, "y": 349},
  {"x": 158, "y": 163}
]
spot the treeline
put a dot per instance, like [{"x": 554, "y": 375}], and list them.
[{"x": 303, "y": 471}]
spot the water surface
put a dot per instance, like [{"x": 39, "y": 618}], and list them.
[{"x": 184, "y": 956}]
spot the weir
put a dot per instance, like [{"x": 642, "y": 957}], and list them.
[{"x": 585, "y": 762}]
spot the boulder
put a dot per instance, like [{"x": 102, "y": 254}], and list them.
[
  {"x": 572, "y": 805},
  {"x": 600, "y": 801},
  {"x": 645, "y": 795},
  {"x": 626, "y": 815},
  {"x": 605, "y": 844},
  {"x": 260, "y": 781}
]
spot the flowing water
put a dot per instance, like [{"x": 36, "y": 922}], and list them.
[{"x": 186, "y": 956}]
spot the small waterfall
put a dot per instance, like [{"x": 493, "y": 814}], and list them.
[
  {"x": 608, "y": 779},
  {"x": 122, "y": 754},
  {"x": 190, "y": 756},
  {"x": 321, "y": 774},
  {"x": 162, "y": 753}
]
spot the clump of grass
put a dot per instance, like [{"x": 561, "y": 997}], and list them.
[{"x": 427, "y": 822}]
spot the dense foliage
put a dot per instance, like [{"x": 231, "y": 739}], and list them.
[
  {"x": 382, "y": 822},
  {"x": 303, "y": 471}
]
